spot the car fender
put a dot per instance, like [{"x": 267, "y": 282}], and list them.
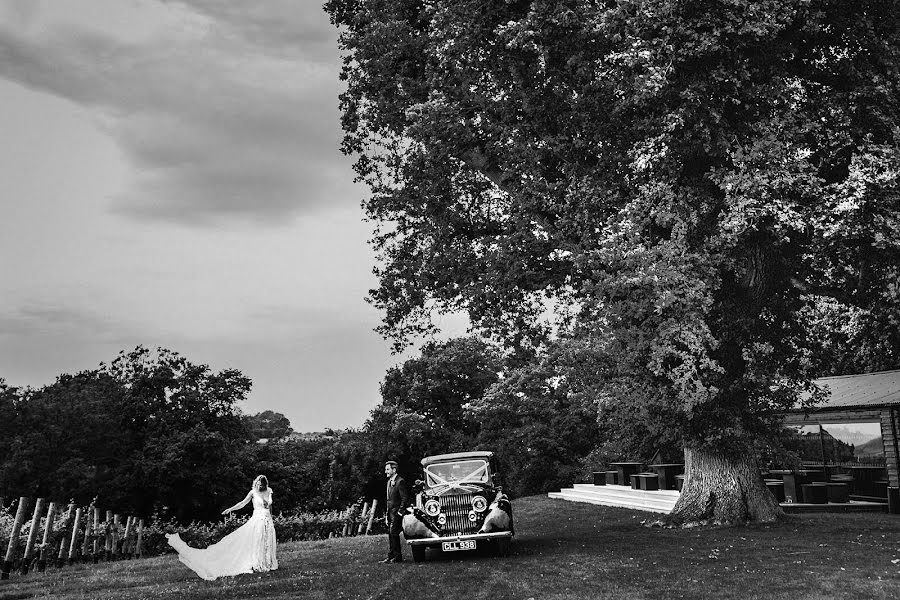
[{"x": 416, "y": 524}]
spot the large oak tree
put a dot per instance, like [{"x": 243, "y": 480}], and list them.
[{"x": 684, "y": 181}]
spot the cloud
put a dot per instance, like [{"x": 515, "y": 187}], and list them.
[
  {"x": 21, "y": 12},
  {"x": 55, "y": 320},
  {"x": 286, "y": 27},
  {"x": 232, "y": 114}
]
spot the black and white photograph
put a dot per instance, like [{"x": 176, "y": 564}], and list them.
[{"x": 508, "y": 299}]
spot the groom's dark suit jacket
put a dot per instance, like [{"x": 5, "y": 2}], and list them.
[{"x": 397, "y": 495}]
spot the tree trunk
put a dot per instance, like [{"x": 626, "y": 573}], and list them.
[{"x": 718, "y": 489}]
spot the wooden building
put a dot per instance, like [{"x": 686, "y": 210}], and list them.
[{"x": 866, "y": 398}]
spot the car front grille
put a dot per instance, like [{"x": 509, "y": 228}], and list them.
[{"x": 457, "y": 508}]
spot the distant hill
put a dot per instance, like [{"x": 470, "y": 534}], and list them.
[
  {"x": 870, "y": 448},
  {"x": 850, "y": 435}
]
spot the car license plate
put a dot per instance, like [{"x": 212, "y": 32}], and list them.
[{"x": 459, "y": 545}]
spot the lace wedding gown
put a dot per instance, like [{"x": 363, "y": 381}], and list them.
[{"x": 249, "y": 548}]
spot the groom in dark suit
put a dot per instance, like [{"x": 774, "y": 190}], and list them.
[{"x": 397, "y": 501}]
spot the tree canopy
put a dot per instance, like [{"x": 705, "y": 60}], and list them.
[
  {"x": 541, "y": 419},
  {"x": 425, "y": 401},
  {"x": 149, "y": 432},
  {"x": 267, "y": 425},
  {"x": 684, "y": 184}
]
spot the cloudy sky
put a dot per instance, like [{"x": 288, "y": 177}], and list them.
[{"x": 171, "y": 177}]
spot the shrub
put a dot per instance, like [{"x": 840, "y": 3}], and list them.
[{"x": 6, "y": 524}]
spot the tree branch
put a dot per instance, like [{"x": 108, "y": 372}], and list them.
[{"x": 476, "y": 159}]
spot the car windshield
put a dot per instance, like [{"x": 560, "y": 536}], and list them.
[{"x": 464, "y": 471}]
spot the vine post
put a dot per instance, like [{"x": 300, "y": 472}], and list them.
[
  {"x": 45, "y": 543},
  {"x": 362, "y": 516},
  {"x": 76, "y": 524},
  {"x": 32, "y": 534},
  {"x": 140, "y": 537},
  {"x": 372, "y": 515},
  {"x": 126, "y": 539},
  {"x": 95, "y": 553},
  {"x": 114, "y": 537},
  {"x": 64, "y": 538},
  {"x": 88, "y": 533},
  {"x": 14, "y": 537}
]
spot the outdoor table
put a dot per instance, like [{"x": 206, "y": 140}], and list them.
[
  {"x": 794, "y": 482},
  {"x": 776, "y": 486},
  {"x": 645, "y": 481},
  {"x": 792, "y": 490},
  {"x": 864, "y": 477},
  {"x": 846, "y": 479},
  {"x": 815, "y": 493},
  {"x": 839, "y": 493},
  {"x": 813, "y": 475},
  {"x": 667, "y": 473},
  {"x": 626, "y": 470},
  {"x": 779, "y": 472}
]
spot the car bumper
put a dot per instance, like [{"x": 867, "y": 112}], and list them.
[{"x": 458, "y": 538}]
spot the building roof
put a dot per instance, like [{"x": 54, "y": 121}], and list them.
[{"x": 868, "y": 389}]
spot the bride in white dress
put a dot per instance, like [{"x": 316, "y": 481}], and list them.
[{"x": 248, "y": 549}]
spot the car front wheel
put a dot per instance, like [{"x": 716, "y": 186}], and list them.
[{"x": 503, "y": 547}]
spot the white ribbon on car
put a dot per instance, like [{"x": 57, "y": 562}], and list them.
[{"x": 459, "y": 483}]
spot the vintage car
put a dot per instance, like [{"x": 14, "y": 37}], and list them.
[{"x": 459, "y": 505}]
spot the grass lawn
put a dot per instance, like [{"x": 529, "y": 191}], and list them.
[{"x": 561, "y": 550}]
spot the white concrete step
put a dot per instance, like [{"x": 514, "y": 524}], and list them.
[
  {"x": 647, "y": 504},
  {"x": 661, "y": 501},
  {"x": 626, "y": 490},
  {"x": 635, "y": 503}
]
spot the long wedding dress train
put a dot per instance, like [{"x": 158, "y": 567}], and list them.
[{"x": 249, "y": 548}]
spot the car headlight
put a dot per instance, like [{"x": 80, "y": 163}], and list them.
[
  {"x": 479, "y": 503},
  {"x": 473, "y": 516},
  {"x": 442, "y": 519},
  {"x": 432, "y": 508}
]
